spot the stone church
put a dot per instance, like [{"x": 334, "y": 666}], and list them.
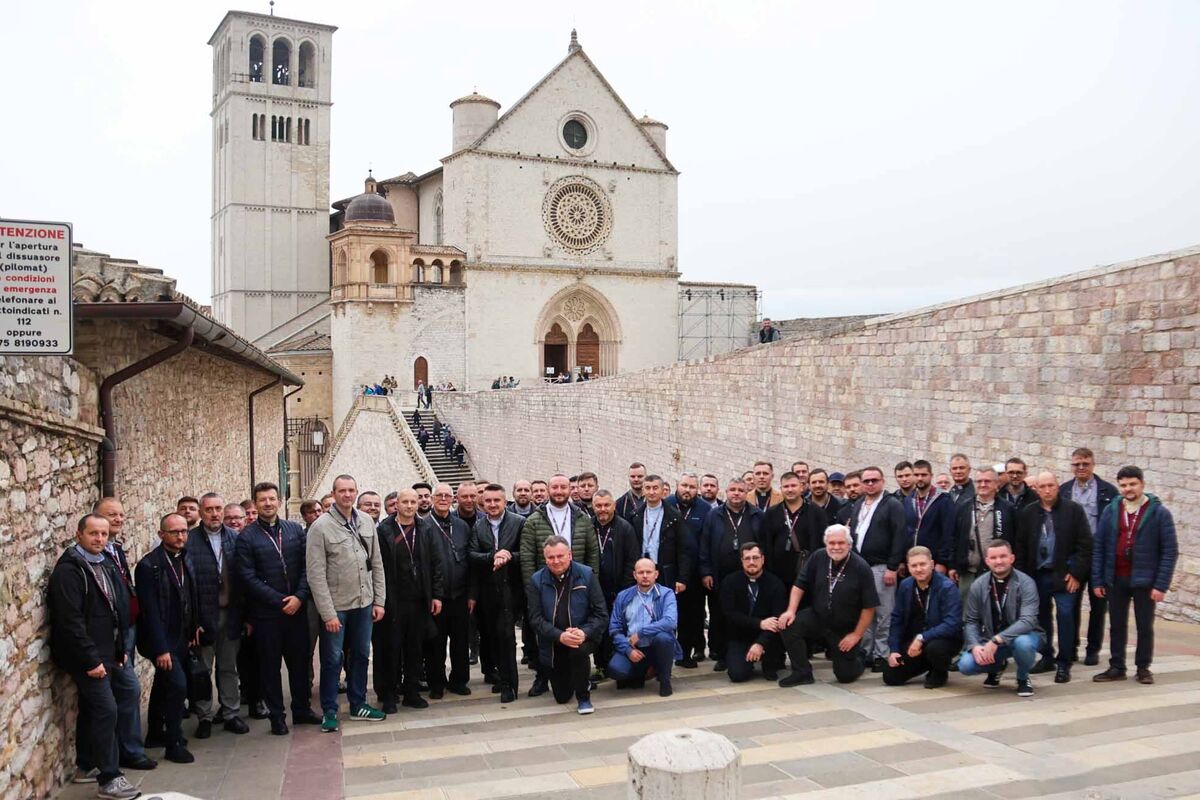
[{"x": 544, "y": 245}]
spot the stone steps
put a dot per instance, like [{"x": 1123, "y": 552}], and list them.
[{"x": 445, "y": 467}]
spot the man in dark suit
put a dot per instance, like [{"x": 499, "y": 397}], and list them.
[
  {"x": 929, "y": 516},
  {"x": 271, "y": 565},
  {"x": 791, "y": 530},
  {"x": 660, "y": 537},
  {"x": 725, "y": 531},
  {"x": 1094, "y": 495},
  {"x": 694, "y": 510},
  {"x": 1054, "y": 547},
  {"x": 877, "y": 525},
  {"x": 751, "y": 602},
  {"x": 497, "y": 594},
  {"x": 453, "y": 532},
  {"x": 414, "y": 573},
  {"x": 629, "y": 503}
]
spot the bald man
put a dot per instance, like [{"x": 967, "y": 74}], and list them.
[{"x": 642, "y": 626}]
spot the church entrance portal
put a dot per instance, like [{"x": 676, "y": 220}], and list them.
[
  {"x": 420, "y": 371},
  {"x": 555, "y": 352},
  {"x": 578, "y": 333}
]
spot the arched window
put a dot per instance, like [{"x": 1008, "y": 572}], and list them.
[
  {"x": 307, "y": 66},
  {"x": 456, "y": 273},
  {"x": 281, "y": 63},
  {"x": 288, "y": 138},
  {"x": 379, "y": 267},
  {"x": 307, "y": 122},
  {"x": 435, "y": 271},
  {"x": 339, "y": 268},
  {"x": 438, "y": 219},
  {"x": 274, "y": 128},
  {"x": 418, "y": 271},
  {"x": 254, "y": 126},
  {"x": 255, "y": 67}
]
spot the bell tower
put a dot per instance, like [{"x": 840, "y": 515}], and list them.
[{"x": 270, "y": 169}]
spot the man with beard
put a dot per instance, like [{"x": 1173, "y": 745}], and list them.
[
  {"x": 851, "y": 491},
  {"x": 819, "y": 496},
  {"x": 791, "y": 530},
  {"x": 725, "y": 531},
  {"x": 629, "y": 503},
  {"x": 497, "y": 593},
  {"x": 929, "y": 516},
  {"x": 694, "y": 512},
  {"x": 452, "y": 531},
  {"x": 424, "y": 498},
  {"x": 710, "y": 489},
  {"x": 522, "y": 503},
  {"x": 751, "y": 601},
  {"x": 587, "y": 485}
]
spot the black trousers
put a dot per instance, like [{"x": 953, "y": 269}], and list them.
[
  {"x": 169, "y": 691},
  {"x": 453, "y": 629},
  {"x": 497, "y": 627},
  {"x": 96, "y": 726},
  {"x": 1097, "y": 608},
  {"x": 399, "y": 643},
  {"x": 718, "y": 641},
  {"x": 529, "y": 644},
  {"x": 741, "y": 670},
  {"x": 847, "y": 667},
  {"x": 571, "y": 671},
  {"x": 935, "y": 659},
  {"x": 691, "y": 618},
  {"x": 1120, "y": 595},
  {"x": 283, "y": 640},
  {"x": 247, "y": 667}
]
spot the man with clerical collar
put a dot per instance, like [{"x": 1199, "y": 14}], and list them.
[
  {"x": 842, "y": 605},
  {"x": 1133, "y": 562},
  {"x": 273, "y": 573},
  {"x": 346, "y": 578},
  {"x": 558, "y": 517},
  {"x": 211, "y": 554},
  {"x": 819, "y": 496},
  {"x": 765, "y": 495},
  {"x": 929, "y": 516},
  {"x": 587, "y": 484},
  {"x": 710, "y": 489},
  {"x": 725, "y": 531},
  {"x": 988, "y": 517},
  {"x": 414, "y": 572},
  {"x": 751, "y": 602},
  {"x": 791, "y": 530},
  {"x": 1094, "y": 494},
  {"x": 424, "y": 498},
  {"x": 170, "y": 623},
  {"x": 1054, "y": 547},
  {"x": 452, "y": 532},
  {"x": 1000, "y": 621},
  {"x": 370, "y": 504},
  {"x": 619, "y": 550},
  {"x": 926, "y": 631},
  {"x": 642, "y": 628},
  {"x": 694, "y": 511},
  {"x": 960, "y": 474},
  {"x": 629, "y": 503},
  {"x": 497, "y": 593},
  {"x": 568, "y": 614},
  {"x": 522, "y": 503}
]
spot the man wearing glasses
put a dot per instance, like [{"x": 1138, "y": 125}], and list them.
[
  {"x": 1017, "y": 491},
  {"x": 1094, "y": 495},
  {"x": 453, "y": 532},
  {"x": 877, "y": 524}
]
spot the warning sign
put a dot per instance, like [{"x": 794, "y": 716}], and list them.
[{"x": 35, "y": 288}]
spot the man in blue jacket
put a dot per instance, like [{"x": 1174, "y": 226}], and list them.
[
  {"x": 642, "y": 626},
  {"x": 1133, "y": 560},
  {"x": 929, "y": 516},
  {"x": 926, "y": 630},
  {"x": 695, "y": 511},
  {"x": 1094, "y": 494}
]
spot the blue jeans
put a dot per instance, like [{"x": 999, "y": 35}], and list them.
[
  {"x": 660, "y": 654},
  {"x": 1023, "y": 650},
  {"x": 355, "y": 639},
  {"x": 1064, "y": 613},
  {"x": 128, "y": 694}
]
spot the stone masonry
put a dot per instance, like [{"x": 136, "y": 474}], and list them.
[{"x": 1105, "y": 358}]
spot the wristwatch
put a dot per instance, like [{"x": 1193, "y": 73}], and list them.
[{"x": 920, "y": 637}]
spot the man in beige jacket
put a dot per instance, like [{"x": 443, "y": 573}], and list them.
[{"x": 345, "y": 576}]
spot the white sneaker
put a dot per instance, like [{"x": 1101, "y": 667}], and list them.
[
  {"x": 118, "y": 789},
  {"x": 85, "y": 777}
]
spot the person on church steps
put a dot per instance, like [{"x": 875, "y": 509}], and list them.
[
  {"x": 567, "y": 612},
  {"x": 89, "y": 615},
  {"x": 1001, "y": 621},
  {"x": 694, "y": 510},
  {"x": 751, "y": 601},
  {"x": 642, "y": 626},
  {"x": 169, "y": 625},
  {"x": 791, "y": 530},
  {"x": 725, "y": 531},
  {"x": 1133, "y": 562},
  {"x": 453, "y": 532},
  {"x": 842, "y": 605},
  {"x": 926, "y": 630}
]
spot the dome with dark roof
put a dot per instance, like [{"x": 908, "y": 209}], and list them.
[
  {"x": 475, "y": 97},
  {"x": 369, "y": 207}
]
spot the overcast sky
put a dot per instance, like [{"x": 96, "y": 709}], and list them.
[{"x": 846, "y": 157}]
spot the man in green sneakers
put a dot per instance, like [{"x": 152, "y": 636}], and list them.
[{"x": 345, "y": 576}]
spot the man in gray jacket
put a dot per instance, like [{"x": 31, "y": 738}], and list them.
[
  {"x": 345, "y": 576},
  {"x": 1001, "y": 621}
]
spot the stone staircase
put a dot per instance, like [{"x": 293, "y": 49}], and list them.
[{"x": 445, "y": 467}]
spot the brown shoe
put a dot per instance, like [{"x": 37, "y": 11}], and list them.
[
  {"x": 1144, "y": 675},
  {"x": 1109, "y": 675}
]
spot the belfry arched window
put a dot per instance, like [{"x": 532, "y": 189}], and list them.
[
  {"x": 379, "y": 267},
  {"x": 307, "y": 65},
  {"x": 281, "y": 63},
  {"x": 255, "y": 67}
]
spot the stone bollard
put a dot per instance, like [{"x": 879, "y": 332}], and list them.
[{"x": 685, "y": 764}]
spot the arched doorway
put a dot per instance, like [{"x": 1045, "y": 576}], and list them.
[
  {"x": 587, "y": 351},
  {"x": 555, "y": 352},
  {"x": 420, "y": 371}
]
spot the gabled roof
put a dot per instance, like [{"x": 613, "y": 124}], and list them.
[{"x": 574, "y": 52}]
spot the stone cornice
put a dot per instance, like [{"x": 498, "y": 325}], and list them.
[
  {"x": 566, "y": 162},
  {"x": 48, "y": 420},
  {"x": 573, "y": 271}
]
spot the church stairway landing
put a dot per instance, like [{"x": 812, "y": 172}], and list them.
[{"x": 444, "y": 466}]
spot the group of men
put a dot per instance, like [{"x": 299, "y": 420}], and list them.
[{"x": 429, "y": 580}]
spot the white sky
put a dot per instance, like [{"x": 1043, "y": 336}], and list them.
[{"x": 847, "y": 157}]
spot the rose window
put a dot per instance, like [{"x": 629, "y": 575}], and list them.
[{"x": 577, "y": 215}]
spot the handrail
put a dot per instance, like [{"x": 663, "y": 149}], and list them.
[{"x": 410, "y": 441}]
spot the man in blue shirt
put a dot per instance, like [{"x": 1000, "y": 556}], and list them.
[{"x": 642, "y": 626}]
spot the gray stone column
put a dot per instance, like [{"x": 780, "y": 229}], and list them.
[{"x": 684, "y": 764}]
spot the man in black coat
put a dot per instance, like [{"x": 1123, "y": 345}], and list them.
[
  {"x": 791, "y": 530},
  {"x": 453, "y": 533},
  {"x": 694, "y": 510},
  {"x": 725, "y": 531},
  {"x": 1095, "y": 495},
  {"x": 989, "y": 516},
  {"x": 272, "y": 567},
  {"x": 660, "y": 537},
  {"x": 1054, "y": 547},
  {"x": 414, "y": 570},
  {"x": 751, "y": 602},
  {"x": 88, "y": 618},
  {"x": 620, "y": 548},
  {"x": 878, "y": 526},
  {"x": 497, "y": 594},
  {"x": 819, "y": 497},
  {"x": 170, "y": 624},
  {"x": 629, "y": 503}
]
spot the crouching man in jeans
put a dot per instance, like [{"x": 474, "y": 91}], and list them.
[
  {"x": 642, "y": 626},
  {"x": 926, "y": 630},
  {"x": 1001, "y": 621}
]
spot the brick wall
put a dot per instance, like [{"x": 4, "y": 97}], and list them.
[{"x": 1105, "y": 358}]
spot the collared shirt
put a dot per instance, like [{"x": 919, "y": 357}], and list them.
[
  {"x": 865, "y": 513},
  {"x": 560, "y": 520},
  {"x": 1087, "y": 495},
  {"x": 1045, "y": 559},
  {"x": 640, "y": 611},
  {"x": 652, "y": 532}
]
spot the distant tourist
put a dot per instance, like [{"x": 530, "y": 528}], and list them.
[{"x": 768, "y": 332}]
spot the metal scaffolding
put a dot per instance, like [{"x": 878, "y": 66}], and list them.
[{"x": 716, "y": 318}]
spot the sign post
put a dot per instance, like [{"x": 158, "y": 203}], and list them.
[{"x": 36, "y": 312}]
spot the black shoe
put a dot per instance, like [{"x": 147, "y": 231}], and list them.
[
  {"x": 1045, "y": 665},
  {"x": 490, "y": 677},
  {"x": 422, "y": 686},
  {"x": 179, "y": 754},
  {"x": 507, "y": 695},
  {"x": 279, "y": 727},
  {"x": 719, "y": 666},
  {"x": 1145, "y": 676},
  {"x": 665, "y": 690},
  {"x": 497, "y": 688},
  {"x": 1109, "y": 675},
  {"x": 935, "y": 681},
  {"x": 390, "y": 707},
  {"x": 878, "y": 664},
  {"x": 154, "y": 740},
  {"x": 539, "y": 688},
  {"x": 699, "y": 657},
  {"x": 236, "y": 725},
  {"x": 414, "y": 701},
  {"x": 687, "y": 663},
  {"x": 992, "y": 681},
  {"x": 524, "y": 660},
  {"x": 306, "y": 718},
  {"x": 259, "y": 711},
  {"x": 771, "y": 674},
  {"x": 142, "y": 761},
  {"x": 203, "y": 729},
  {"x": 954, "y": 665},
  {"x": 1024, "y": 688},
  {"x": 459, "y": 689},
  {"x": 1062, "y": 675},
  {"x": 796, "y": 679},
  {"x": 1074, "y": 658},
  {"x": 473, "y": 660},
  {"x": 437, "y": 694},
  {"x": 1092, "y": 659}
]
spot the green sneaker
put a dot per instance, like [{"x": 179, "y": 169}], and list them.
[
  {"x": 329, "y": 724},
  {"x": 365, "y": 712}
]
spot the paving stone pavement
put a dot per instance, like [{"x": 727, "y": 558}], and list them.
[{"x": 1079, "y": 740}]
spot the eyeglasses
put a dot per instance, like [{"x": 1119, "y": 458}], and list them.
[{"x": 872, "y": 480}]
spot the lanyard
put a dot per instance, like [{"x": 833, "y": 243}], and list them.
[
  {"x": 120, "y": 569},
  {"x": 603, "y": 537},
  {"x": 736, "y": 526},
  {"x": 105, "y": 588},
  {"x": 278, "y": 545},
  {"x": 560, "y": 530},
  {"x": 834, "y": 580},
  {"x": 653, "y": 535},
  {"x": 792, "y": 543},
  {"x": 1132, "y": 520},
  {"x": 922, "y": 505},
  {"x": 648, "y": 606},
  {"x": 752, "y": 587},
  {"x": 178, "y": 576},
  {"x": 999, "y": 599},
  {"x": 921, "y": 600}
]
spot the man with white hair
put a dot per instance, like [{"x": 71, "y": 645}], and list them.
[{"x": 841, "y": 586}]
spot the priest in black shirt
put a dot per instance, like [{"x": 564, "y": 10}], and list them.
[
  {"x": 842, "y": 589},
  {"x": 751, "y": 601}
]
